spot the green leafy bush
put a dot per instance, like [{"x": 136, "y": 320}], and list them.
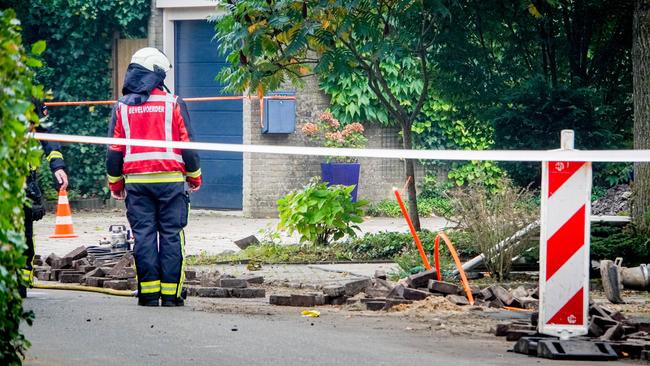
[
  {"x": 320, "y": 213},
  {"x": 609, "y": 241},
  {"x": 77, "y": 66},
  {"x": 18, "y": 153},
  {"x": 427, "y": 207}
]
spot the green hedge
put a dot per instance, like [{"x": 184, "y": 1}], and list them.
[
  {"x": 17, "y": 153},
  {"x": 79, "y": 34}
]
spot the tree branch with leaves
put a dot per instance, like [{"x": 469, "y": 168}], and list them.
[{"x": 272, "y": 42}]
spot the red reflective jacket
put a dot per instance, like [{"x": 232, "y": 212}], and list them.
[{"x": 159, "y": 118}]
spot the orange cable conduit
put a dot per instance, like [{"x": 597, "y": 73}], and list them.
[
  {"x": 418, "y": 243},
  {"x": 459, "y": 265}
]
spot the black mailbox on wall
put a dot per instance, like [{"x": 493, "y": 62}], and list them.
[{"x": 279, "y": 114}]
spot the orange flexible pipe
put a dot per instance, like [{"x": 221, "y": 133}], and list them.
[
  {"x": 418, "y": 243},
  {"x": 436, "y": 256},
  {"x": 198, "y": 99},
  {"x": 459, "y": 265}
]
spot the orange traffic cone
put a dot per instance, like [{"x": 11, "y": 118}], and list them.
[{"x": 63, "y": 228}]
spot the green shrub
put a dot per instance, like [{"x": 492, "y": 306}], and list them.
[
  {"x": 77, "y": 66},
  {"x": 490, "y": 217},
  {"x": 18, "y": 153},
  {"x": 427, "y": 207},
  {"x": 609, "y": 241},
  {"x": 320, "y": 213}
]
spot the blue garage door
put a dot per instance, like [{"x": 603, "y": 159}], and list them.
[{"x": 197, "y": 62}]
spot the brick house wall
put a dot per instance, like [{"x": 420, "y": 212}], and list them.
[{"x": 267, "y": 177}]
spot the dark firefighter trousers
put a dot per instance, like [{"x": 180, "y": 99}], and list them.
[
  {"x": 28, "y": 271},
  {"x": 157, "y": 213}
]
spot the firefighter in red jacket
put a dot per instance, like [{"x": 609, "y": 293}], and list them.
[{"x": 152, "y": 180}]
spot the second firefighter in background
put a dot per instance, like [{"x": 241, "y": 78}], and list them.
[{"x": 152, "y": 180}]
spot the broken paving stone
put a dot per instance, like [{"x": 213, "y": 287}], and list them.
[
  {"x": 443, "y": 287},
  {"x": 421, "y": 279},
  {"x": 117, "y": 284},
  {"x": 354, "y": 287},
  {"x": 56, "y": 272},
  {"x": 253, "y": 279},
  {"x": 44, "y": 276},
  {"x": 247, "y": 242},
  {"x": 51, "y": 259},
  {"x": 397, "y": 292},
  {"x": 213, "y": 292},
  {"x": 62, "y": 263},
  {"x": 519, "y": 292},
  {"x": 502, "y": 294},
  {"x": 613, "y": 333},
  {"x": 78, "y": 263},
  {"x": 376, "y": 292},
  {"x": 97, "y": 272},
  {"x": 87, "y": 268},
  {"x": 341, "y": 300},
  {"x": 416, "y": 295},
  {"x": 191, "y": 290},
  {"x": 70, "y": 277},
  {"x": 95, "y": 281},
  {"x": 125, "y": 261},
  {"x": 457, "y": 299},
  {"x": 232, "y": 283},
  {"x": 190, "y": 274},
  {"x": 133, "y": 284},
  {"x": 334, "y": 290},
  {"x": 486, "y": 294},
  {"x": 375, "y": 305},
  {"x": 123, "y": 274},
  {"x": 303, "y": 300},
  {"x": 77, "y": 253},
  {"x": 383, "y": 283},
  {"x": 247, "y": 293},
  {"x": 280, "y": 300}
]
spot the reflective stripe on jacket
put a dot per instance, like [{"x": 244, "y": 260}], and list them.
[{"x": 159, "y": 118}]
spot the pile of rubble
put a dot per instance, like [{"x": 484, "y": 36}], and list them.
[
  {"x": 611, "y": 335},
  {"x": 81, "y": 267},
  {"x": 380, "y": 294},
  {"x": 103, "y": 267},
  {"x": 616, "y": 200}
]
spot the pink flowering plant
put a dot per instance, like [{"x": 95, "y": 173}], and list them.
[{"x": 329, "y": 132}]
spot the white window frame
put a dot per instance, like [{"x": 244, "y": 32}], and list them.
[{"x": 174, "y": 10}]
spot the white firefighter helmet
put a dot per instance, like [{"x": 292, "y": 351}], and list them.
[{"x": 150, "y": 57}]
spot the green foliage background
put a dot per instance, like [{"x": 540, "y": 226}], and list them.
[
  {"x": 80, "y": 34},
  {"x": 17, "y": 152}
]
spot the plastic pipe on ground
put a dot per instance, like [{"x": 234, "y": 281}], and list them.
[{"x": 418, "y": 243}]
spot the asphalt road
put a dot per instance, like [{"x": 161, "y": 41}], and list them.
[{"x": 74, "y": 328}]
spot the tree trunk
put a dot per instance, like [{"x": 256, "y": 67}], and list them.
[
  {"x": 641, "y": 98},
  {"x": 409, "y": 168}
]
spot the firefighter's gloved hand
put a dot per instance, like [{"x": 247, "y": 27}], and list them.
[
  {"x": 194, "y": 183},
  {"x": 117, "y": 190}
]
